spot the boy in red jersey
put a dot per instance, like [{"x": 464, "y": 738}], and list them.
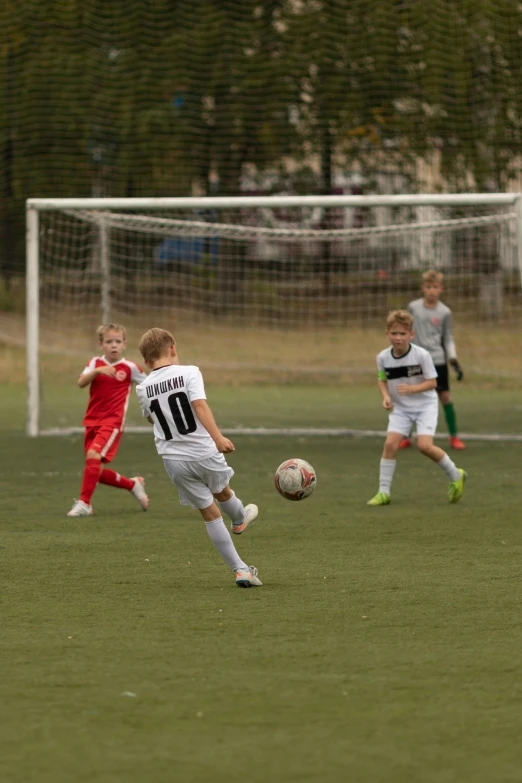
[{"x": 110, "y": 378}]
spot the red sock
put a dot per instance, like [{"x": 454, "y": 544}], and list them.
[
  {"x": 114, "y": 479},
  {"x": 91, "y": 474}
]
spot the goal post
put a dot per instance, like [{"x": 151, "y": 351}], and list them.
[
  {"x": 32, "y": 321},
  {"x": 280, "y": 263}
]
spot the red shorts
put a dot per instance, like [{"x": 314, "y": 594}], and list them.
[{"x": 104, "y": 440}]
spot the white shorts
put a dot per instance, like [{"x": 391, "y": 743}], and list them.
[
  {"x": 404, "y": 421},
  {"x": 196, "y": 481}
]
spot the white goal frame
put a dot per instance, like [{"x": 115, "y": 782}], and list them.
[{"x": 36, "y": 205}]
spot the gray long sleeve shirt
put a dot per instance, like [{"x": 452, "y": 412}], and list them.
[{"x": 433, "y": 330}]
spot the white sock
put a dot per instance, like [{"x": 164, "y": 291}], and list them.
[
  {"x": 223, "y": 543},
  {"x": 234, "y": 509},
  {"x": 386, "y": 471},
  {"x": 449, "y": 468}
]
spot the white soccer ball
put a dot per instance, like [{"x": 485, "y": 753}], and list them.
[{"x": 295, "y": 479}]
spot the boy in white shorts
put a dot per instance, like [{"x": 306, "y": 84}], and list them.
[
  {"x": 407, "y": 379},
  {"x": 188, "y": 439}
]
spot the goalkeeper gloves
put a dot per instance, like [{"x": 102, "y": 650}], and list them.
[{"x": 458, "y": 369}]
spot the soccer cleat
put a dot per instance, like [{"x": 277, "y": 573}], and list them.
[
  {"x": 456, "y": 488},
  {"x": 405, "y": 443},
  {"x": 380, "y": 499},
  {"x": 255, "y": 581},
  {"x": 248, "y": 578},
  {"x": 251, "y": 512},
  {"x": 139, "y": 493},
  {"x": 80, "y": 509},
  {"x": 456, "y": 443}
]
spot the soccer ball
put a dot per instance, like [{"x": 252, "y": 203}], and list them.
[{"x": 295, "y": 479}]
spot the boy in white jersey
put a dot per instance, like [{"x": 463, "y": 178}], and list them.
[
  {"x": 407, "y": 380},
  {"x": 432, "y": 322},
  {"x": 188, "y": 439}
]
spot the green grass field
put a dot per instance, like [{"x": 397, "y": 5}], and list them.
[
  {"x": 383, "y": 647},
  {"x": 480, "y": 409}
]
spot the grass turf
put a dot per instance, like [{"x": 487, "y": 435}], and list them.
[{"x": 382, "y": 647}]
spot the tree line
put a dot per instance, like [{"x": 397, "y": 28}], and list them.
[{"x": 156, "y": 97}]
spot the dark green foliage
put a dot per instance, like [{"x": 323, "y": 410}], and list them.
[{"x": 156, "y": 97}]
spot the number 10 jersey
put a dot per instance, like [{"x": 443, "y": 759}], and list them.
[{"x": 167, "y": 395}]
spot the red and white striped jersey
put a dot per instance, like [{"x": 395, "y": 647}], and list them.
[{"x": 109, "y": 394}]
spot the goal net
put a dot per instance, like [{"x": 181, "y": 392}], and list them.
[{"x": 271, "y": 290}]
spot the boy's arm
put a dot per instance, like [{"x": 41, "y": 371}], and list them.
[
  {"x": 458, "y": 368},
  {"x": 137, "y": 374},
  {"x": 142, "y": 400},
  {"x": 87, "y": 378},
  {"x": 405, "y": 388},
  {"x": 449, "y": 345},
  {"x": 448, "y": 342},
  {"x": 206, "y": 417},
  {"x": 382, "y": 385}
]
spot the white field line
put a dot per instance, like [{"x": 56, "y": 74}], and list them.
[{"x": 302, "y": 432}]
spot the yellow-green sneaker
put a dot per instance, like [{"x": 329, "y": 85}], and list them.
[
  {"x": 380, "y": 499},
  {"x": 456, "y": 488}
]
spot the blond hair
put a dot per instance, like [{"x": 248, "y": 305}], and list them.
[
  {"x": 401, "y": 318},
  {"x": 155, "y": 343},
  {"x": 102, "y": 330},
  {"x": 432, "y": 276}
]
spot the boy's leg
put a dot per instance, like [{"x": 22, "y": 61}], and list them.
[
  {"x": 108, "y": 451},
  {"x": 387, "y": 468},
  {"x": 400, "y": 424},
  {"x": 448, "y": 407},
  {"x": 450, "y": 416},
  {"x": 429, "y": 449},
  {"x": 451, "y": 420},
  {"x": 240, "y": 515},
  {"x": 457, "y": 476},
  {"x": 230, "y": 504},
  {"x": 220, "y": 537},
  {"x": 191, "y": 480},
  {"x": 100, "y": 443},
  {"x": 135, "y": 485},
  {"x": 113, "y": 479},
  {"x": 91, "y": 475},
  {"x": 389, "y": 461}
]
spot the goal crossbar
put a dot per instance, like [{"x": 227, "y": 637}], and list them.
[{"x": 247, "y": 202}]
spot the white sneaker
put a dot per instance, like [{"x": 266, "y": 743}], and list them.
[
  {"x": 139, "y": 493},
  {"x": 248, "y": 578},
  {"x": 80, "y": 509},
  {"x": 251, "y": 512}
]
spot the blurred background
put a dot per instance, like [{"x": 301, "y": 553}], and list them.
[{"x": 200, "y": 97}]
